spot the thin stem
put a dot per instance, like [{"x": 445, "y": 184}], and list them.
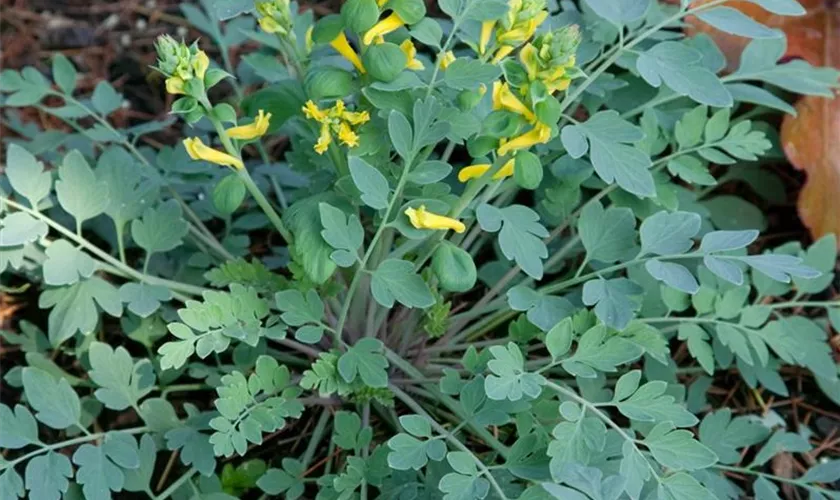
[
  {"x": 168, "y": 492},
  {"x": 796, "y": 482},
  {"x": 264, "y": 204},
  {"x": 70, "y": 442},
  {"x": 126, "y": 270},
  {"x": 415, "y": 407}
]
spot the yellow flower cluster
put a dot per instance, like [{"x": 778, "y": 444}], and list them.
[
  {"x": 335, "y": 121},
  {"x": 423, "y": 219},
  {"x": 551, "y": 56},
  {"x": 515, "y": 28},
  {"x": 200, "y": 151},
  {"x": 274, "y": 16},
  {"x": 180, "y": 63}
]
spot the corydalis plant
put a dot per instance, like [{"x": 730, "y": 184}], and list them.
[{"x": 490, "y": 260}]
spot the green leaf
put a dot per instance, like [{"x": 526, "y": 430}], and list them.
[
  {"x": 665, "y": 233},
  {"x": 428, "y": 32},
  {"x": 619, "y": 12},
  {"x": 75, "y": 307},
  {"x": 614, "y": 159},
  {"x": 698, "y": 345},
  {"x": 138, "y": 479},
  {"x": 372, "y": 184},
  {"x": 681, "y": 486},
  {"x": 677, "y": 449},
  {"x": 19, "y": 428},
  {"x": 408, "y": 452},
  {"x": 475, "y": 10},
  {"x": 429, "y": 172},
  {"x": 575, "y": 442},
  {"x": 674, "y": 275},
  {"x": 161, "y": 229},
  {"x": 365, "y": 360},
  {"x": 735, "y": 22},
  {"x": 416, "y": 426},
  {"x": 680, "y": 68},
  {"x": 30, "y": 88},
  {"x": 79, "y": 191},
  {"x": 520, "y": 238},
  {"x": 798, "y": 340},
  {"x": 55, "y": 402},
  {"x": 727, "y": 436},
  {"x": 544, "y": 311},
  {"x": 595, "y": 352},
  {"x": 26, "y": 175},
  {"x": 395, "y": 280},
  {"x": 20, "y": 228},
  {"x": 401, "y": 135},
  {"x": 98, "y": 474},
  {"x": 465, "y": 483},
  {"x": 470, "y": 74},
  {"x": 454, "y": 268},
  {"x": 650, "y": 403},
  {"x": 129, "y": 193},
  {"x": 105, "y": 99},
  {"x": 779, "y": 442},
  {"x": 616, "y": 300},
  {"x": 66, "y": 264},
  {"x": 780, "y": 267},
  {"x": 47, "y": 476},
  {"x": 360, "y": 15},
  {"x": 607, "y": 235},
  {"x": 143, "y": 299},
  {"x": 123, "y": 382},
  {"x": 344, "y": 233},
  {"x": 509, "y": 380},
  {"x": 299, "y": 310},
  {"x": 558, "y": 340},
  {"x": 384, "y": 61},
  {"x": 194, "y": 447},
  {"x": 64, "y": 73},
  {"x": 228, "y": 194},
  {"x": 724, "y": 241},
  {"x": 11, "y": 484}
]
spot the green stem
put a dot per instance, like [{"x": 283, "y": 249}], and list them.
[
  {"x": 70, "y": 442},
  {"x": 796, "y": 482},
  {"x": 264, "y": 204},
  {"x": 126, "y": 270},
  {"x": 168, "y": 492},
  {"x": 315, "y": 439},
  {"x": 415, "y": 407}
]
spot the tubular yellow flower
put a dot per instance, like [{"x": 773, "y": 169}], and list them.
[
  {"x": 504, "y": 98},
  {"x": 522, "y": 31},
  {"x": 422, "y": 219},
  {"x": 347, "y": 136},
  {"x": 486, "y": 32},
  {"x": 324, "y": 139},
  {"x": 410, "y": 52},
  {"x": 253, "y": 130},
  {"x": 528, "y": 56},
  {"x": 391, "y": 23},
  {"x": 199, "y": 151},
  {"x": 343, "y": 47},
  {"x": 380, "y": 3},
  {"x": 269, "y": 25},
  {"x": 313, "y": 112},
  {"x": 446, "y": 58},
  {"x": 479, "y": 169},
  {"x": 503, "y": 52},
  {"x": 200, "y": 64},
  {"x": 355, "y": 117},
  {"x": 174, "y": 85},
  {"x": 540, "y": 134}
]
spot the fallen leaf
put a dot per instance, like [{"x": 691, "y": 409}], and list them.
[{"x": 805, "y": 34}]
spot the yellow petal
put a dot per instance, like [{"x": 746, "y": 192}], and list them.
[
  {"x": 324, "y": 139},
  {"x": 504, "y": 98},
  {"x": 422, "y": 219},
  {"x": 479, "y": 169},
  {"x": 253, "y": 130},
  {"x": 269, "y": 25},
  {"x": 309, "y": 42},
  {"x": 503, "y": 52},
  {"x": 529, "y": 58},
  {"x": 446, "y": 59},
  {"x": 343, "y": 47},
  {"x": 486, "y": 32},
  {"x": 540, "y": 134},
  {"x": 174, "y": 85},
  {"x": 380, "y": 3},
  {"x": 356, "y": 117},
  {"x": 558, "y": 85},
  {"x": 410, "y": 52},
  {"x": 199, "y": 151},
  {"x": 391, "y": 23},
  {"x": 313, "y": 112},
  {"x": 200, "y": 64},
  {"x": 347, "y": 136}
]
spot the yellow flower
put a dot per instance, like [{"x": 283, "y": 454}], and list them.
[
  {"x": 343, "y": 47},
  {"x": 479, "y": 169},
  {"x": 380, "y": 3},
  {"x": 324, "y": 139},
  {"x": 269, "y": 25},
  {"x": 199, "y": 151},
  {"x": 504, "y": 98},
  {"x": 252, "y": 130},
  {"x": 174, "y": 85},
  {"x": 486, "y": 32},
  {"x": 200, "y": 64},
  {"x": 522, "y": 31},
  {"x": 308, "y": 41},
  {"x": 347, "y": 136},
  {"x": 446, "y": 59},
  {"x": 355, "y": 117},
  {"x": 313, "y": 112},
  {"x": 391, "y": 23},
  {"x": 539, "y": 134},
  {"x": 422, "y": 219},
  {"x": 503, "y": 52},
  {"x": 410, "y": 52}
]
